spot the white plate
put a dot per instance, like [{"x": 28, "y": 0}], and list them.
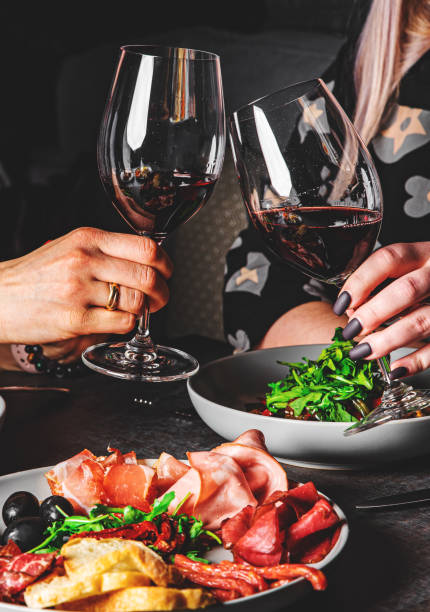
[
  {"x": 2, "y": 411},
  {"x": 34, "y": 481},
  {"x": 221, "y": 389}
]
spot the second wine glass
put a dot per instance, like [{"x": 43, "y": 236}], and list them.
[
  {"x": 160, "y": 152},
  {"x": 312, "y": 191}
]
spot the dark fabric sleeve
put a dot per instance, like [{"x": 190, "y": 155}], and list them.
[{"x": 259, "y": 288}]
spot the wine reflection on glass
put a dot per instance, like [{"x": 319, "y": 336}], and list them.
[
  {"x": 160, "y": 152},
  {"x": 312, "y": 191}
]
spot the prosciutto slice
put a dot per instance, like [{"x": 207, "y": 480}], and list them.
[
  {"x": 116, "y": 479},
  {"x": 264, "y": 474},
  {"x": 129, "y": 484},
  {"x": 218, "y": 488},
  {"x": 79, "y": 479},
  {"x": 169, "y": 470}
]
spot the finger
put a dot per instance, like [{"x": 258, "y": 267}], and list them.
[
  {"x": 389, "y": 262},
  {"x": 400, "y": 295},
  {"x": 101, "y": 321},
  {"x": 408, "y": 329},
  {"x": 130, "y": 300},
  {"x": 415, "y": 362},
  {"x": 131, "y": 276},
  {"x": 140, "y": 249}
]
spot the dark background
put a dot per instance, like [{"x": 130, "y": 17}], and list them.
[{"x": 40, "y": 42}]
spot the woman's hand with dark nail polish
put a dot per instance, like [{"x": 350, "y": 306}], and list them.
[
  {"x": 353, "y": 328},
  {"x": 342, "y": 303},
  {"x": 398, "y": 373},
  {"x": 361, "y": 351}
]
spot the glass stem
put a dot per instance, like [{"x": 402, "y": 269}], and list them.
[
  {"x": 384, "y": 366},
  {"x": 141, "y": 346}
]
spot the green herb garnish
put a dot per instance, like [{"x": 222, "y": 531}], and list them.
[
  {"x": 328, "y": 388},
  {"x": 197, "y": 539}
]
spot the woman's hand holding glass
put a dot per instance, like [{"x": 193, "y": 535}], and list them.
[{"x": 58, "y": 293}]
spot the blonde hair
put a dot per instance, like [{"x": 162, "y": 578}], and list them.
[{"x": 396, "y": 34}]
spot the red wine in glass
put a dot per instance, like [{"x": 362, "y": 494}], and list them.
[
  {"x": 325, "y": 242},
  {"x": 158, "y": 201}
]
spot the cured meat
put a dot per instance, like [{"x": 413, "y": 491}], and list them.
[
  {"x": 224, "y": 489},
  {"x": 79, "y": 479},
  {"x": 116, "y": 458},
  {"x": 235, "y": 527},
  {"x": 10, "y": 549},
  {"x": 169, "y": 470},
  {"x": 22, "y": 570},
  {"x": 229, "y": 578},
  {"x": 218, "y": 488},
  {"x": 321, "y": 516},
  {"x": 188, "y": 486},
  {"x": 129, "y": 484},
  {"x": 264, "y": 474},
  {"x": 262, "y": 543},
  {"x": 86, "y": 480},
  {"x": 252, "y": 437}
]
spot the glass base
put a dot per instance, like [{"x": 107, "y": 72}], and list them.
[
  {"x": 110, "y": 359},
  {"x": 398, "y": 401}
]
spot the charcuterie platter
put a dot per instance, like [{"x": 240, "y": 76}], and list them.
[{"x": 224, "y": 527}]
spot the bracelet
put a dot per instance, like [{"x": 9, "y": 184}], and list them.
[{"x": 31, "y": 359}]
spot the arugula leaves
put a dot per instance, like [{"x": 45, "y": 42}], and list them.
[
  {"x": 327, "y": 387},
  {"x": 197, "y": 539}
]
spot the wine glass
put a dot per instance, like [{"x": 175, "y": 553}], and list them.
[
  {"x": 160, "y": 152},
  {"x": 312, "y": 191}
]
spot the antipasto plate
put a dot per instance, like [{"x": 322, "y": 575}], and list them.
[{"x": 274, "y": 597}]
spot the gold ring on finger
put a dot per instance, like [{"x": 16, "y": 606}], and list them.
[{"x": 113, "y": 299}]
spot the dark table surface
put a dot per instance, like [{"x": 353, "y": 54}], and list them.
[{"x": 385, "y": 564}]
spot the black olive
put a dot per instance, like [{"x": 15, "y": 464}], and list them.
[
  {"x": 25, "y": 532},
  {"x": 49, "y": 512},
  {"x": 19, "y": 505}
]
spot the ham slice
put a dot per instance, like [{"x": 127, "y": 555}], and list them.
[
  {"x": 264, "y": 474},
  {"x": 79, "y": 479},
  {"x": 218, "y": 488},
  {"x": 129, "y": 484},
  {"x": 252, "y": 437},
  {"x": 169, "y": 470}
]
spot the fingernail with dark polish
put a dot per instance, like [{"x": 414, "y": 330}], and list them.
[
  {"x": 353, "y": 328},
  {"x": 360, "y": 351},
  {"x": 342, "y": 303},
  {"x": 398, "y": 373}
]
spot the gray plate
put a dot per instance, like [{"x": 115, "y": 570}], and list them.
[
  {"x": 276, "y": 599},
  {"x": 220, "y": 391}
]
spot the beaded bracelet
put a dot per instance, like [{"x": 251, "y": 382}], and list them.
[{"x": 30, "y": 358}]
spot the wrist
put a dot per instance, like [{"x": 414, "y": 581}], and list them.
[
  {"x": 7, "y": 361},
  {"x": 31, "y": 359}
]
